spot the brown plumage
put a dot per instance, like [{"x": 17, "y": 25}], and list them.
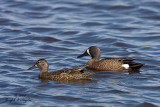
[
  {"x": 109, "y": 64},
  {"x": 64, "y": 74}
]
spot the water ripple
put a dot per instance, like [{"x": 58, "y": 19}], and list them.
[{"x": 61, "y": 30}]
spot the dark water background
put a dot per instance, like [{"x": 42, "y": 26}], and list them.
[{"x": 60, "y": 30}]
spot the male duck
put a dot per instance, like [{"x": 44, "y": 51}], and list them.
[
  {"x": 109, "y": 64},
  {"x": 64, "y": 74}
]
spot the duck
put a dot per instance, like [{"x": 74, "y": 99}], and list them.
[
  {"x": 63, "y": 74},
  {"x": 109, "y": 64}
]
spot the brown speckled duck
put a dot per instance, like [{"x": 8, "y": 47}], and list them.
[
  {"x": 64, "y": 74},
  {"x": 109, "y": 64}
]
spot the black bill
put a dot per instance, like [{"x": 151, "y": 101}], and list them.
[
  {"x": 84, "y": 54},
  {"x": 33, "y": 67}
]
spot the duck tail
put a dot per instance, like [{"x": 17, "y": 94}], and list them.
[
  {"x": 135, "y": 66},
  {"x": 132, "y": 65}
]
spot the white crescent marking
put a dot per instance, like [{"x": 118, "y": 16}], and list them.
[{"x": 88, "y": 52}]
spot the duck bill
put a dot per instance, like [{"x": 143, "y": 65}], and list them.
[
  {"x": 84, "y": 54},
  {"x": 33, "y": 67}
]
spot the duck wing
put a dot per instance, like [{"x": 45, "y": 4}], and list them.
[
  {"x": 121, "y": 59},
  {"x": 130, "y": 61},
  {"x": 77, "y": 70}
]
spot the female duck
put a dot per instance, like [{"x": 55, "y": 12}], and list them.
[
  {"x": 64, "y": 74},
  {"x": 109, "y": 64}
]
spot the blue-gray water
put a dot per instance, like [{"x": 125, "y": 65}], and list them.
[{"x": 60, "y": 30}]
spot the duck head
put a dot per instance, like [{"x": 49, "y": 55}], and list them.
[
  {"x": 42, "y": 64},
  {"x": 92, "y": 51}
]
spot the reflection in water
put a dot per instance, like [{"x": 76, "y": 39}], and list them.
[
  {"x": 71, "y": 82},
  {"x": 111, "y": 76},
  {"x": 76, "y": 82}
]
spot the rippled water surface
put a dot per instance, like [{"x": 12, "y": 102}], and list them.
[{"x": 60, "y": 30}]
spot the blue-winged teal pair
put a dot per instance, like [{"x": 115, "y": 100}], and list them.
[
  {"x": 109, "y": 64},
  {"x": 64, "y": 74}
]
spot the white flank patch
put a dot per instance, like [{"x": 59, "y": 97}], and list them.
[
  {"x": 126, "y": 66},
  {"x": 88, "y": 52}
]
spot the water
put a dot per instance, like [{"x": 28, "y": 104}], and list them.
[{"x": 61, "y": 30}]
